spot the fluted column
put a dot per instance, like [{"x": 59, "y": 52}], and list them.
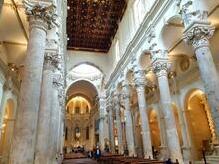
[
  {"x": 146, "y": 134},
  {"x": 111, "y": 126},
  {"x": 40, "y": 16},
  {"x": 160, "y": 67},
  {"x": 197, "y": 33},
  {"x": 102, "y": 108},
  {"x": 128, "y": 121},
  {"x": 118, "y": 123},
  {"x": 42, "y": 147}
]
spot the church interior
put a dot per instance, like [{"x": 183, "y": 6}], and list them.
[{"x": 109, "y": 81}]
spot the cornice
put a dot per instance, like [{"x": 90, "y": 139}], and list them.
[{"x": 139, "y": 38}]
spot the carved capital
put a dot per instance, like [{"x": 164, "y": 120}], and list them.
[
  {"x": 40, "y": 14},
  {"x": 198, "y": 35},
  {"x": 160, "y": 63}
]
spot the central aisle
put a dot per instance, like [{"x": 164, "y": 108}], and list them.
[
  {"x": 77, "y": 158},
  {"x": 79, "y": 161}
]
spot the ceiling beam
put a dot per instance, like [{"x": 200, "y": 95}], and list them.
[{"x": 19, "y": 19}]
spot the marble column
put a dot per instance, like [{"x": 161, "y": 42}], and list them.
[
  {"x": 102, "y": 108},
  {"x": 128, "y": 121},
  {"x": 160, "y": 67},
  {"x": 111, "y": 127},
  {"x": 42, "y": 147},
  {"x": 146, "y": 134},
  {"x": 118, "y": 123},
  {"x": 197, "y": 33},
  {"x": 40, "y": 16}
]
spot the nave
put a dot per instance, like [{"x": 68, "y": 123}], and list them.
[{"x": 134, "y": 78}]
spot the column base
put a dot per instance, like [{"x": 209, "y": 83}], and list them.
[
  {"x": 216, "y": 150},
  {"x": 164, "y": 153},
  {"x": 186, "y": 154}
]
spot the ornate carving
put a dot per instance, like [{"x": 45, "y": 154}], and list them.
[
  {"x": 51, "y": 60},
  {"x": 198, "y": 35},
  {"x": 160, "y": 62},
  {"x": 139, "y": 79},
  {"x": 38, "y": 10},
  {"x": 125, "y": 90},
  {"x": 58, "y": 80}
]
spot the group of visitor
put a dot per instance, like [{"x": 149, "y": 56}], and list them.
[{"x": 95, "y": 153}]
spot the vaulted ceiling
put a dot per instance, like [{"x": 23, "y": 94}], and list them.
[{"x": 92, "y": 24}]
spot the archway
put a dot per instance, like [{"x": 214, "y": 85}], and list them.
[
  {"x": 7, "y": 130},
  {"x": 200, "y": 122},
  {"x": 155, "y": 131},
  {"x": 82, "y": 117}
]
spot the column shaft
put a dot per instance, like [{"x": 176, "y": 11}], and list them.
[
  {"x": 118, "y": 125},
  {"x": 111, "y": 131},
  {"x": 128, "y": 122},
  {"x": 146, "y": 135},
  {"x": 171, "y": 130},
  {"x": 29, "y": 102}
]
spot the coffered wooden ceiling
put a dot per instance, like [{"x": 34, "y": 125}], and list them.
[{"x": 92, "y": 24}]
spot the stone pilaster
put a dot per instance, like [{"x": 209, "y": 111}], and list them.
[
  {"x": 118, "y": 122},
  {"x": 56, "y": 95},
  {"x": 142, "y": 105},
  {"x": 111, "y": 125},
  {"x": 128, "y": 120},
  {"x": 160, "y": 67},
  {"x": 42, "y": 146},
  {"x": 41, "y": 17},
  {"x": 197, "y": 33},
  {"x": 102, "y": 109}
]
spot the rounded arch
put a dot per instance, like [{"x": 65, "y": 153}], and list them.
[
  {"x": 81, "y": 80},
  {"x": 88, "y": 63},
  {"x": 171, "y": 31},
  {"x": 200, "y": 122},
  {"x": 144, "y": 59},
  {"x": 188, "y": 94},
  {"x": 79, "y": 95}
]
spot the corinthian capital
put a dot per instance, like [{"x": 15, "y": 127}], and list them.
[
  {"x": 198, "y": 35},
  {"x": 160, "y": 63},
  {"x": 39, "y": 10}
]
